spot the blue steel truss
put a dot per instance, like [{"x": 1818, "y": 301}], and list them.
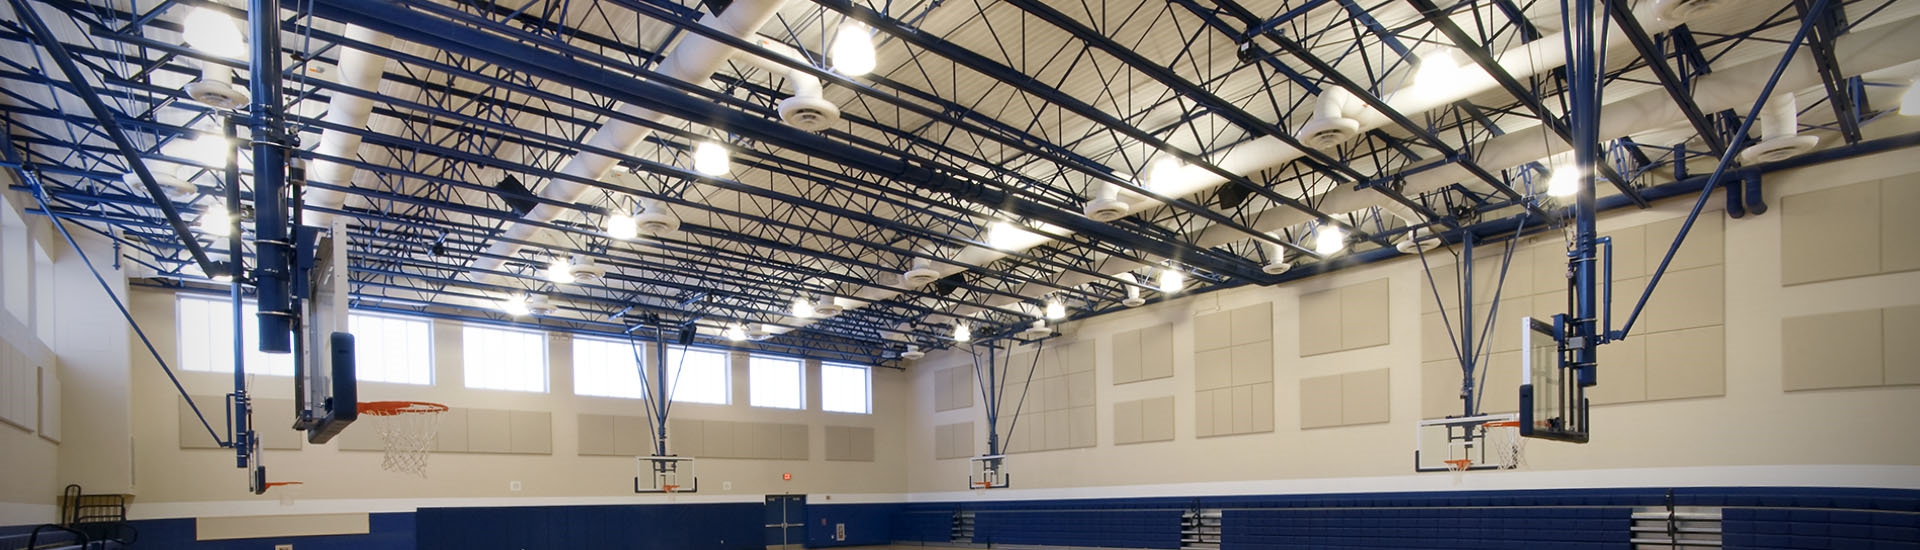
[{"x": 1017, "y": 110}]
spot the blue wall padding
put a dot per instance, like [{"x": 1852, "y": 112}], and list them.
[
  {"x": 1476, "y": 528},
  {"x": 1105, "y": 529},
  {"x": 388, "y": 531},
  {"x": 923, "y": 526},
  {"x": 867, "y": 524},
  {"x": 639, "y": 527},
  {"x": 1793, "y": 529}
]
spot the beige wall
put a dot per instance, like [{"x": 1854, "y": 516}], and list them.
[
  {"x": 173, "y": 481},
  {"x": 29, "y": 453},
  {"x": 1821, "y": 434}
]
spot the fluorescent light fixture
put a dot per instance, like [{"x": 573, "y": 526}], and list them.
[
  {"x": 1004, "y": 235},
  {"x": 1910, "y": 101},
  {"x": 710, "y": 158},
  {"x": 515, "y": 305},
  {"x": 802, "y": 308},
  {"x": 558, "y": 271},
  {"x": 1165, "y": 171},
  {"x": 214, "y": 33},
  {"x": 1172, "y": 280},
  {"x": 1056, "y": 310},
  {"x": 1329, "y": 239},
  {"x": 1436, "y": 69},
  {"x": 853, "y": 53},
  {"x": 1564, "y": 182},
  {"x": 622, "y": 226},
  {"x": 208, "y": 149},
  {"x": 736, "y": 333},
  {"x": 962, "y": 332},
  {"x": 222, "y": 278},
  {"x": 217, "y": 222}
]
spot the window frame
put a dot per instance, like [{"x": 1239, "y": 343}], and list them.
[
  {"x": 432, "y": 351},
  {"x": 249, "y": 335},
  {"x": 755, "y": 361},
  {"x": 866, "y": 377},
  {"x": 673, "y": 374},
  {"x": 626, "y": 349},
  {"x": 468, "y": 356}
]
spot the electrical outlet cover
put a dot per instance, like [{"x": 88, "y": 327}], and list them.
[
  {"x": 726, "y": 486},
  {"x": 513, "y": 486}
]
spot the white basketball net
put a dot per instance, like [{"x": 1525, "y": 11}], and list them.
[
  {"x": 1504, "y": 442},
  {"x": 409, "y": 436}
]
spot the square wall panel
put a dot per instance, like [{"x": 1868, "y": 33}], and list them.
[
  {"x": 1629, "y": 254},
  {"x": 1242, "y": 399},
  {"x": 1689, "y": 298},
  {"x": 1156, "y": 418},
  {"x": 1156, "y": 352},
  {"x": 596, "y": 434},
  {"x": 1439, "y": 389},
  {"x": 1080, "y": 389},
  {"x": 1499, "y": 389},
  {"x": 1435, "y": 342},
  {"x": 1364, "y": 321},
  {"x": 1809, "y": 253},
  {"x": 1705, "y": 246},
  {"x": 1621, "y": 374},
  {"x": 1364, "y": 397},
  {"x": 1126, "y": 357},
  {"x": 1549, "y": 269},
  {"x": 1443, "y": 276},
  {"x": 1262, "y": 408},
  {"x": 1213, "y": 369},
  {"x": 1223, "y": 412},
  {"x": 1127, "y": 422},
  {"x": 1836, "y": 350},
  {"x": 453, "y": 432},
  {"x": 687, "y": 437},
  {"x": 1686, "y": 363},
  {"x": 631, "y": 437},
  {"x": 1252, "y": 323},
  {"x": 1902, "y": 356},
  {"x": 1899, "y": 250},
  {"x": 1212, "y": 331},
  {"x": 1320, "y": 323},
  {"x": 1320, "y": 405},
  {"x": 1203, "y": 413},
  {"x": 1081, "y": 432},
  {"x": 1252, "y": 363}
]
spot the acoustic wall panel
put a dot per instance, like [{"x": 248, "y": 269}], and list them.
[
  {"x": 1836, "y": 350},
  {"x": 596, "y": 435},
  {"x": 953, "y": 388},
  {"x": 633, "y": 436},
  {"x": 1320, "y": 402},
  {"x": 1126, "y": 422},
  {"x": 1363, "y": 315},
  {"x": 953, "y": 440},
  {"x": 1808, "y": 253},
  {"x": 1622, "y": 373},
  {"x": 530, "y": 432},
  {"x": 687, "y": 437},
  {"x": 1692, "y": 298},
  {"x": 1706, "y": 243},
  {"x": 1227, "y": 376},
  {"x": 1156, "y": 418},
  {"x": 1156, "y": 352},
  {"x": 1125, "y": 351},
  {"x": 1365, "y": 397},
  {"x": 489, "y": 431},
  {"x": 1686, "y": 363},
  {"x": 849, "y": 444},
  {"x": 1899, "y": 251},
  {"x": 1061, "y": 389},
  {"x": 717, "y": 438},
  {"x": 1439, "y": 388},
  {"x": 1902, "y": 355},
  {"x": 1320, "y": 322},
  {"x": 50, "y": 403},
  {"x": 451, "y": 436},
  {"x": 1212, "y": 331}
]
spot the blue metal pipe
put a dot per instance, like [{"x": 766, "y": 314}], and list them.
[{"x": 273, "y": 238}]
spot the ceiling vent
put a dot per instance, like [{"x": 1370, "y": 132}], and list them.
[
  {"x": 1106, "y": 205},
  {"x": 215, "y": 88},
  {"x": 1038, "y": 329},
  {"x": 921, "y": 275},
  {"x": 1780, "y": 137},
  {"x": 584, "y": 269},
  {"x": 177, "y": 189},
  {"x": 541, "y": 306},
  {"x": 657, "y": 219},
  {"x": 913, "y": 353},
  {"x": 1329, "y": 126},
  {"x": 827, "y": 307},
  {"x": 1133, "y": 292},
  {"x": 1679, "y": 11},
  {"x": 759, "y": 332},
  {"x": 1276, "y": 267},
  {"x": 812, "y": 114}
]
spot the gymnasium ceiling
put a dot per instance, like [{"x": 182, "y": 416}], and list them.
[{"x": 978, "y": 111}]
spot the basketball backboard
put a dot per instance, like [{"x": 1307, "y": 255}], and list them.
[
  {"x": 1485, "y": 442},
  {"x": 325, "y": 387},
  {"x": 1553, "y": 404},
  {"x": 988, "y": 472},
  {"x": 665, "y": 474}
]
